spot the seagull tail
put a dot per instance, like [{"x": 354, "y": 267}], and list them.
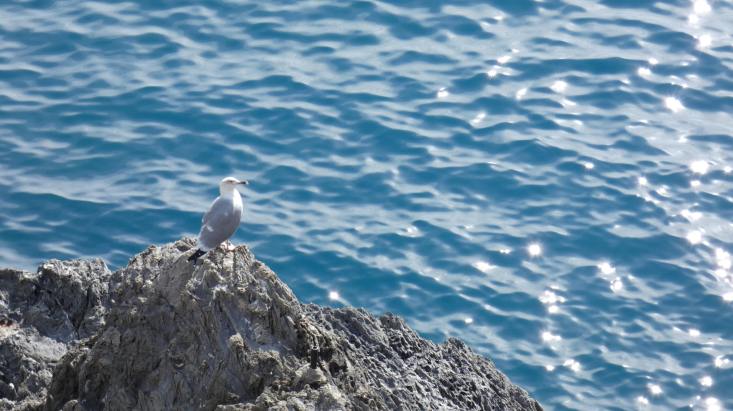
[{"x": 195, "y": 256}]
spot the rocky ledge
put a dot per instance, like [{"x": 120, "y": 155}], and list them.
[{"x": 224, "y": 335}]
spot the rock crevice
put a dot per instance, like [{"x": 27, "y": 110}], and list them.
[{"x": 223, "y": 335}]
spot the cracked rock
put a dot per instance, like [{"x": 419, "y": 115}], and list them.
[{"x": 226, "y": 334}]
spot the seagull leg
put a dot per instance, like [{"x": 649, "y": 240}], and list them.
[{"x": 226, "y": 246}]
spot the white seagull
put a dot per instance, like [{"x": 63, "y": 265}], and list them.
[{"x": 222, "y": 219}]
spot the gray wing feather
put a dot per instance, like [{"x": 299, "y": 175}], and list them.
[{"x": 219, "y": 223}]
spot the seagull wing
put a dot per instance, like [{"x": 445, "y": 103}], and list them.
[
  {"x": 219, "y": 223},
  {"x": 206, "y": 216}
]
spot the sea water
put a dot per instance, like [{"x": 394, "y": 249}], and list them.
[{"x": 549, "y": 181}]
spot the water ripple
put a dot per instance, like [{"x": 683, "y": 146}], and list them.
[{"x": 550, "y": 181}]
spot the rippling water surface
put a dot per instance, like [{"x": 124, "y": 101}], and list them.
[{"x": 548, "y": 180}]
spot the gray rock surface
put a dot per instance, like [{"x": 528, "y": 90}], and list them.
[
  {"x": 41, "y": 315},
  {"x": 223, "y": 335}
]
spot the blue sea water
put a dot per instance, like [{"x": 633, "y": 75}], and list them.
[{"x": 550, "y": 181}]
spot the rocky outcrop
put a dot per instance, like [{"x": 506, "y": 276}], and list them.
[
  {"x": 226, "y": 334},
  {"x": 41, "y": 316}
]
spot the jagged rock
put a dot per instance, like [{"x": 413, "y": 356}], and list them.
[
  {"x": 41, "y": 314},
  {"x": 223, "y": 335}
]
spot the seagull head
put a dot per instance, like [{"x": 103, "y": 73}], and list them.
[{"x": 230, "y": 184}]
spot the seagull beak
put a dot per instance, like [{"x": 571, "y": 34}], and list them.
[{"x": 243, "y": 182}]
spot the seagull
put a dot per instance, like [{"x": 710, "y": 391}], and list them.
[{"x": 222, "y": 219}]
